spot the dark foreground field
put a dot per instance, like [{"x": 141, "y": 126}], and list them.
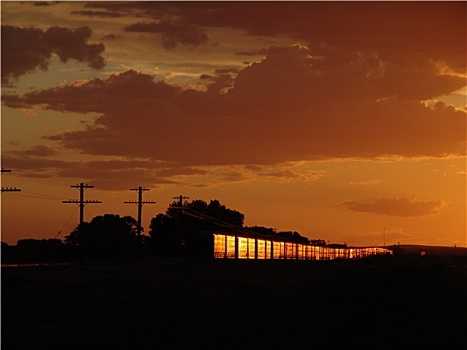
[{"x": 380, "y": 303}]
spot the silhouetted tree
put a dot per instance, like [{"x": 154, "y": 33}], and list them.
[
  {"x": 164, "y": 234},
  {"x": 293, "y": 236},
  {"x": 265, "y": 231},
  {"x": 224, "y": 214},
  {"x": 318, "y": 242},
  {"x": 179, "y": 229},
  {"x": 288, "y": 235},
  {"x": 44, "y": 250},
  {"x": 107, "y": 236},
  {"x": 5, "y": 251}
]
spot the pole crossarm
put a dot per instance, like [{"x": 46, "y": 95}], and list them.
[
  {"x": 77, "y": 201},
  {"x": 180, "y": 199},
  {"x": 81, "y": 185},
  {"x": 11, "y": 189},
  {"x": 140, "y": 191},
  {"x": 81, "y": 202},
  {"x": 137, "y": 202},
  {"x": 140, "y": 201}
]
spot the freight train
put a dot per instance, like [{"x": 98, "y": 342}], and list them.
[{"x": 251, "y": 246}]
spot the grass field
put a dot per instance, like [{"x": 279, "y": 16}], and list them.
[{"x": 378, "y": 303}]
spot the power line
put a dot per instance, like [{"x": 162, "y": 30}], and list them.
[
  {"x": 88, "y": 212},
  {"x": 217, "y": 221},
  {"x": 39, "y": 195},
  {"x": 59, "y": 232}
]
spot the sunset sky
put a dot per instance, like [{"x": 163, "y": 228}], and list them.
[{"x": 342, "y": 121}]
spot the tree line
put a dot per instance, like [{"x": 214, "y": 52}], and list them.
[{"x": 177, "y": 232}]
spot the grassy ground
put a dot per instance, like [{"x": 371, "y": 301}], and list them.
[{"x": 380, "y": 303}]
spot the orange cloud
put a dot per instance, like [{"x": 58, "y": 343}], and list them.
[
  {"x": 365, "y": 183},
  {"x": 36, "y": 151},
  {"x": 106, "y": 174},
  {"x": 288, "y": 107},
  {"x": 403, "y": 207}
]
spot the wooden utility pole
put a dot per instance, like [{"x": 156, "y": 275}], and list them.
[
  {"x": 180, "y": 200},
  {"x": 140, "y": 203},
  {"x": 81, "y": 202}
]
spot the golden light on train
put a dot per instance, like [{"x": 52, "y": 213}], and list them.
[{"x": 240, "y": 247}]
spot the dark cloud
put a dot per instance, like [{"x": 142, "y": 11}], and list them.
[
  {"x": 259, "y": 52},
  {"x": 42, "y": 3},
  {"x": 106, "y": 174},
  {"x": 37, "y": 151},
  {"x": 102, "y": 14},
  {"x": 129, "y": 90},
  {"x": 403, "y": 207},
  {"x": 290, "y": 106},
  {"x": 221, "y": 81},
  {"x": 111, "y": 37},
  {"x": 173, "y": 33},
  {"x": 68, "y": 43},
  {"x": 398, "y": 31},
  {"x": 27, "y": 49}
]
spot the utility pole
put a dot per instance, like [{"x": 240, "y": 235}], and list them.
[
  {"x": 140, "y": 203},
  {"x": 180, "y": 229},
  {"x": 180, "y": 199},
  {"x": 9, "y": 189},
  {"x": 81, "y": 202}
]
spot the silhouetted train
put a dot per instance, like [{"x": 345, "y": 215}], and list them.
[{"x": 255, "y": 246}]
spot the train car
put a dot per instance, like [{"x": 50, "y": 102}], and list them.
[{"x": 246, "y": 245}]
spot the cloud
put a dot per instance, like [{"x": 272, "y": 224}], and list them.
[
  {"x": 39, "y": 162},
  {"x": 27, "y": 49},
  {"x": 37, "y": 151},
  {"x": 129, "y": 90},
  {"x": 111, "y": 37},
  {"x": 400, "y": 31},
  {"x": 30, "y": 113},
  {"x": 365, "y": 183},
  {"x": 287, "y": 175},
  {"x": 402, "y": 207},
  {"x": 290, "y": 106},
  {"x": 102, "y": 14},
  {"x": 258, "y": 52},
  {"x": 221, "y": 81},
  {"x": 173, "y": 33}
]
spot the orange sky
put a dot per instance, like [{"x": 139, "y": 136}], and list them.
[{"x": 342, "y": 121}]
